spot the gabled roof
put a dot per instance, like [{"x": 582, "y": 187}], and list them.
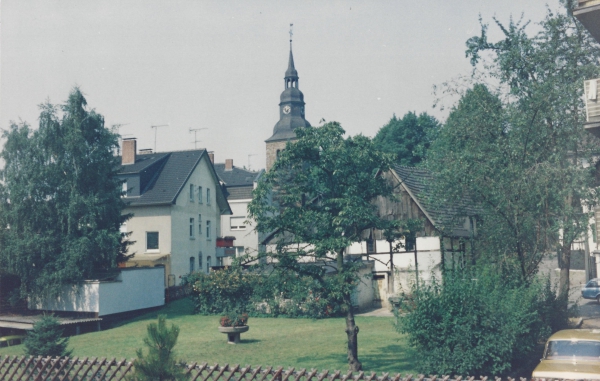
[
  {"x": 239, "y": 182},
  {"x": 236, "y": 176},
  {"x": 445, "y": 216},
  {"x": 142, "y": 162},
  {"x": 168, "y": 177}
]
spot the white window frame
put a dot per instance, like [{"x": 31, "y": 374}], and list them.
[
  {"x": 157, "y": 242},
  {"x": 191, "y": 192},
  {"x": 207, "y": 196},
  {"x": 234, "y": 225},
  {"x": 208, "y": 230},
  {"x": 192, "y": 228},
  {"x": 199, "y": 195}
]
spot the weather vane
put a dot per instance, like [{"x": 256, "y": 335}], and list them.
[{"x": 291, "y": 33}]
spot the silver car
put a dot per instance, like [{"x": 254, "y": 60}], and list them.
[{"x": 591, "y": 290}]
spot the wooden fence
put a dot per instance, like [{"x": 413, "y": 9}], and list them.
[{"x": 21, "y": 368}]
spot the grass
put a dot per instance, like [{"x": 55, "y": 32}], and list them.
[{"x": 299, "y": 343}]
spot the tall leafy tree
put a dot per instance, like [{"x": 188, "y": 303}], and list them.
[
  {"x": 60, "y": 202},
  {"x": 316, "y": 201},
  {"x": 519, "y": 148},
  {"x": 408, "y": 138}
]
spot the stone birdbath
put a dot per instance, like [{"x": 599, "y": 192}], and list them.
[{"x": 233, "y": 333}]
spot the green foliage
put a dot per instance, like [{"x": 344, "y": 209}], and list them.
[
  {"x": 159, "y": 363},
  {"x": 46, "y": 339},
  {"x": 479, "y": 322},
  {"x": 219, "y": 292},
  {"x": 517, "y": 151},
  {"x": 409, "y": 138},
  {"x": 60, "y": 201},
  {"x": 280, "y": 293},
  {"x": 316, "y": 201},
  {"x": 234, "y": 319}
]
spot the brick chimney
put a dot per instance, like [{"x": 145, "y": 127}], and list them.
[
  {"x": 211, "y": 156},
  {"x": 128, "y": 152},
  {"x": 228, "y": 164}
]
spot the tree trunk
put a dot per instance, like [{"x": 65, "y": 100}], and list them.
[
  {"x": 351, "y": 327},
  {"x": 352, "y": 332},
  {"x": 564, "y": 263}
]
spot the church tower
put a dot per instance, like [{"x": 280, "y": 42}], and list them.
[{"x": 291, "y": 113}]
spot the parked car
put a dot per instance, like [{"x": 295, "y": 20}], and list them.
[
  {"x": 591, "y": 290},
  {"x": 571, "y": 354}
]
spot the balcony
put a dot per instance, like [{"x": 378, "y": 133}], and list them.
[
  {"x": 592, "y": 106},
  {"x": 588, "y": 13}
]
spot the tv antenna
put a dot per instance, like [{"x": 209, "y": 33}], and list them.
[
  {"x": 252, "y": 154},
  {"x": 155, "y": 130},
  {"x": 195, "y": 131}
]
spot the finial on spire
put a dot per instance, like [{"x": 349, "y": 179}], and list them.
[{"x": 291, "y": 34}]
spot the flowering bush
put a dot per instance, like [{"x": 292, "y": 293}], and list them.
[{"x": 234, "y": 319}]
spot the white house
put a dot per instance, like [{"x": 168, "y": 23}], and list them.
[
  {"x": 239, "y": 184},
  {"x": 176, "y": 203}
]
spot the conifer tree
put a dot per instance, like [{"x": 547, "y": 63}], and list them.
[
  {"x": 159, "y": 363},
  {"x": 46, "y": 339}
]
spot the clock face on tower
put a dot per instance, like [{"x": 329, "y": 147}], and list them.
[{"x": 287, "y": 109}]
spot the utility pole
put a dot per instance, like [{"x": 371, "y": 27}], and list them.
[
  {"x": 155, "y": 130},
  {"x": 195, "y": 131}
]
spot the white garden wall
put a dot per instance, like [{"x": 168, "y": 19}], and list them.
[{"x": 133, "y": 289}]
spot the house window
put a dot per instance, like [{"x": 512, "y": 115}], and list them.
[
  {"x": 200, "y": 261},
  {"x": 192, "y": 192},
  {"x": 192, "y": 264},
  {"x": 123, "y": 228},
  {"x": 199, "y": 225},
  {"x": 200, "y": 195},
  {"x": 151, "y": 241},
  {"x": 208, "y": 264},
  {"x": 207, "y": 196},
  {"x": 124, "y": 189},
  {"x": 237, "y": 223},
  {"x": 207, "y": 229},
  {"x": 192, "y": 228},
  {"x": 371, "y": 246}
]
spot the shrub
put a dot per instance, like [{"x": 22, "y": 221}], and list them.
[
  {"x": 478, "y": 322},
  {"x": 276, "y": 294},
  {"x": 46, "y": 339},
  {"x": 159, "y": 363},
  {"x": 220, "y": 291}
]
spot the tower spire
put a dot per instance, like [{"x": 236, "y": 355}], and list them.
[
  {"x": 291, "y": 111},
  {"x": 291, "y": 75}
]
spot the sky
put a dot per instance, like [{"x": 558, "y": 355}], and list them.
[{"x": 217, "y": 67}]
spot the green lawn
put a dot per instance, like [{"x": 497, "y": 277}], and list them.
[{"x": 299, "y": 343}]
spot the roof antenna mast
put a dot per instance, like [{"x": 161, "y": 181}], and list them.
[
  {"x": 195, "y": 131},
  {"x": 155, "y": 130},
  {"x": 291, "y": 34}
]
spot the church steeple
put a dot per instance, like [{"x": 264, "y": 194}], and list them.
[
  {"x": 291, "y": 75},
  {"x": 291, "y": 112}
]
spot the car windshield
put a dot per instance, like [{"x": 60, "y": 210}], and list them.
[{"x": 580, "y": 349}]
